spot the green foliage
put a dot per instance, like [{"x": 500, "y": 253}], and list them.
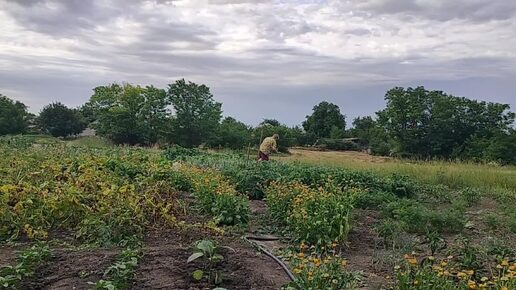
[
  {"x": 417, "y": 218},
  {"x": 28, "y": 262},
  {"x": 232, "y": 134},
  {"x": 104, "y": 196},
  {"x": 426, "y": 123},
  {"x": 13, "y": 116},
  {"x": 60, "y": 121},
  {"x": 197, "y": 115},
  {"x": 119, "y": 275},
  {"x": 326, "y": 117},
  {"x": 317, "y": 217},
  {"x": 219, "y": 198},
  {"x": 208, "y": 252},
  {"x": 128, "y": 114},
  {"x": 180, "y": 153},
  {"x": 338, "y": 144},
  {"x": 321, "y": 272}
]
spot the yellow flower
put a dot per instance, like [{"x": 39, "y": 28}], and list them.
[
  {"x": 505, "y": 288},
  {"x": 297, "y": 270},
  {"x": 416, "y": 282},
  {"x": 444, "y": 264},
  {"x": 472, "y": 284},
  {"x": 505, "y": 263},
  {"x": 431, "y": 258},
  {"x": 470, "y": 272},
  {"x": 412, "y": 261},
  {"x": 301, "y": 255},
  {"x": 344, "y": 263},
  {"x": 461, "y": 275}
]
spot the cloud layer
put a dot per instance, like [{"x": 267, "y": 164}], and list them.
[{"x": 270, "y": 58}]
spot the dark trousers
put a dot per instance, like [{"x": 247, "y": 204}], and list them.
[{"x": 262, "y": 156}]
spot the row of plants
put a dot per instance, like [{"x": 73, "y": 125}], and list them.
[
  {"x": 448, "y": 273},
  {"x": 215, "y": 195},
  {"x": 29, "y": 260},
  {"x": 100, "y": 196},
  {"x": 252, "y": 177},
  {"x": 119, "y": 275},
  {"x": 317, "y": 216}
]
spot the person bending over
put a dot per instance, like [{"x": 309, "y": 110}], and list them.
[{"x": 268, "y": 146}]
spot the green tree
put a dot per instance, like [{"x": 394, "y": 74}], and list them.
[
  {"x": 13, "y": 116},
  {"x": 232, "y": 134},
  {"x": 431, "y": 123},
  {"x": 363, "y": 128},
  {"x": 336, "y": 132},
  {"x": 197, "y": 115},
  {"x": 325, "y": 116},
  {"x": 60, "y": 121},
  {"x": 129, "y": 114}
]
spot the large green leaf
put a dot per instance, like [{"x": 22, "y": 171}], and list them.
[{"x": 194, "y": 256}]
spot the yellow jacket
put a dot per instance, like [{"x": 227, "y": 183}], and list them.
[{"x": 269, "y": 145}]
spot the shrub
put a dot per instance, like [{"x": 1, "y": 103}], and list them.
[
  {"x": 417, "y": 218},
  {"x": 321, "y": 272},
  {"x": 447, "y": 274},
  {"x": 219, "y": 198},
  {"x": 315, "y": 216}
]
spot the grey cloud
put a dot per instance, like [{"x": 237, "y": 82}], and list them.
[
  {"x": 476, "y": 10},
  {"x": 281, "y": 57}
]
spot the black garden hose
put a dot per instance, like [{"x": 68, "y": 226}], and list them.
[{"x": 276, "y": 259}]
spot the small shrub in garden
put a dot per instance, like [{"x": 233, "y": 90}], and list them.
[
  {"x": 417, "y": 218},
  {"x": 280, "y": 196},
  {"x": 315, "y": 216},
  {"x": 27, "y": 263},
  {"x": 119, "y": 275},
  {"x": 470, "y": 195},
  {"x": 446, "y": 274},
  {"x": 219, "y": 198},
  {"x": 315, "y": 271},
  {"x": 208, "y": 252}
]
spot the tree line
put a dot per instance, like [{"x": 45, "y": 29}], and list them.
[{"x": 416, "y": 123}]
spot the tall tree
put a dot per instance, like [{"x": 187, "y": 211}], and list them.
[
  {"x": 60, "y": 121},
  {"x": 325, "y": 116},
  {"x": 13, "y": 116},
  {"x": 232, "y": 134},
  {"x": 129, "y": 114},
  {"x": 197, "y": 114},
  {"x": 432, "y": 123}
]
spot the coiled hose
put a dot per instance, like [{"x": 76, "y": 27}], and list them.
[{"x": 276, "y": 259}]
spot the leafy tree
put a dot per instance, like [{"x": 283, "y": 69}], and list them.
[
  {"x": 432, "y": 123},
  {"x": 13, "y": 116},
  {"x": 336, "y": 132},
  {"x": 129, "y": 114},
  {"x": 272, "y": 122},
  {"x": 232, "y": 134},
  {"x": 60, "y": 121},
  {"x": 325, "y": 116},
  {"x": 197, "y": 115},
  {"x": 363, "y": 128}
]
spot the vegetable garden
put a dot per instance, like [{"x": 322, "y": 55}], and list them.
[{"x": 102, "y": 217}]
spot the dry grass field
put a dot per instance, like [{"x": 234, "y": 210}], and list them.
[{"x": 455, "y": 174}]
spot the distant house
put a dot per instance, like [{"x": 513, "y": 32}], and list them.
[{"x": 88, "y": 132}]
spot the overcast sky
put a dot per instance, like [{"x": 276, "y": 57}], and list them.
[{"x": 262, "y": 59}]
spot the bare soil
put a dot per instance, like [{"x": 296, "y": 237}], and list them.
[
  {"x": 166, "y": 252},
  {"x": 72, "y": 269}
]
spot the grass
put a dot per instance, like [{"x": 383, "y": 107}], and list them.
[{"x": 454, "y": 174}]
